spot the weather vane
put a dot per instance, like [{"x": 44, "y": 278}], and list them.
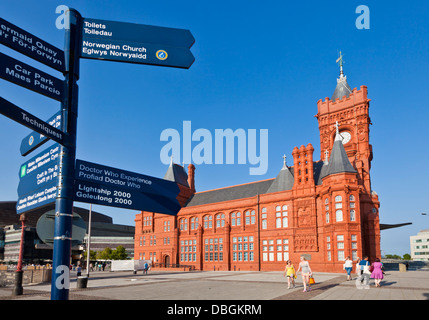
[{"x": 340, "y": 61}]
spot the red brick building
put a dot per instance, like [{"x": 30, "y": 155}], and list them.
[{"x": 322, "y": 209}]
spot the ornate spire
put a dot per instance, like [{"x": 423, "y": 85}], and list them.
[
  {"x": 340, "y": 63},
  {"x": 343, "y": 88},
  {"x": 284, "y": 161}
]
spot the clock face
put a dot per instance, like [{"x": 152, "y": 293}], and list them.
[{"x": 346, "y": 136}]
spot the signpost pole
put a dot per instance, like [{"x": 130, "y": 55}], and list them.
[
  {"x": 88, "y": 250},
  {"x": 64, "y": 204}
]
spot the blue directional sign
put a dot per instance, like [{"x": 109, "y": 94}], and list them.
[
  {"x": 141, "y": 53},
  {"x": 30, "y": 45},
  {"x": 38, "y": 180},
  {"x": 25, "y": 118},
  {"x": 40, "y": 170},
  {"x": 36, "y": 139},
  {"x": 124, "y": 189},
  {"x": 107, "y": 195},
  {"x": 132, "y": 32},
  {"x": 37, "y": 199},
  {"x": 136, "y": 43},
  {"x": 31, "y": 78}
]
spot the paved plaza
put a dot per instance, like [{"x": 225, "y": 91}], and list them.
[{"x": 230, "y": 285}]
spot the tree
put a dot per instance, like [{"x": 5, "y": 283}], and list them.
[
  {"x": 407, "y": 256},
  {"x": 119, "y": 253},
  {"x": 105, "y": 254},
  {"x": 92, "y": 255}
]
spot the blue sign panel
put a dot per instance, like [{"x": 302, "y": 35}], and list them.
[
  {"x": 31, "y": 46},
  {"x": 39, "y": 171},
  {"x": 36, "y": 139},
  {"x": 108, "y": 195},
  {"x": 92, "y": 172},
  {"x": 21, "y": 116},
  {"x": 133, "y": 52},
  {"x": 37, "y": 199},
  {"x": 132, "y": 32},
  {"x": 31, "y": 78}
]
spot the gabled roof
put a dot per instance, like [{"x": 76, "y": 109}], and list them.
[{"x": 176, "y": 173}]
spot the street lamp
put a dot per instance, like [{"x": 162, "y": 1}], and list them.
[{"x": 18, "y": 290}]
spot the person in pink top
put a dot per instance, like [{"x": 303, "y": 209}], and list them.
[{"x": 377, "y": 273}]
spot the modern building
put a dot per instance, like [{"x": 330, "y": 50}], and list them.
[
  {"x": 322, "y": 209},
  {"x": 104, "y": 233},
  {"x": 419, "y": 245}
]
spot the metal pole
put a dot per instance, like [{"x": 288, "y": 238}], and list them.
[
  {"x": 64, "y": 204},
  {"x": 18, "y": 289},
  {"x": 88, "y": 254}
]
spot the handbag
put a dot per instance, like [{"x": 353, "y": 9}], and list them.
[
  {"x": 371, "y": 269},
  {"x": 311, "y": 280}
]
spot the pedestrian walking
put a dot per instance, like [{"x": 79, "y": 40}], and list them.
[
  {"x": 377, "y": 272},
  {"x": 358, "y": 267},
  {"x": 304, "y": 266},
  {"x": 290, "y": 273},
  {"x": 348, "y": 266},
  {"x": 145, "y": 268},
  {"x": 365, "y": 273},
  {"x": 79, "y": 270}
]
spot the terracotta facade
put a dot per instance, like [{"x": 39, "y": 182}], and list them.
[{"x": 322, "y": 209}]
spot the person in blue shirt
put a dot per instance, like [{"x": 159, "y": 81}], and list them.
[{"x": 364, "y": 274}]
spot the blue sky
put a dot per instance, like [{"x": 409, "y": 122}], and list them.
[{"x": 257, "y": 66}]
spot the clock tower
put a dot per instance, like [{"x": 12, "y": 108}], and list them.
[{"x": 349, "y": 109}]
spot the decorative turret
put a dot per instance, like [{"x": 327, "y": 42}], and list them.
[
  {"x": 339, "y": 162},
  {"x": 343, "y": 88}
]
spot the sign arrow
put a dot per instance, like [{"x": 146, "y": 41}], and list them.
[
  {"x": 132, "y": 32},
  {"x": 31, "y": 46},
  {"x": 25, "y": 118},
  {"x": 35, "y": 139},
  {"x": 31, "y": 78}
]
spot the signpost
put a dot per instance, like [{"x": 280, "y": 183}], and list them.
[{"x": 52, "y": 175}]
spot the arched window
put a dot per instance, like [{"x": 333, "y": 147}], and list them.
[
  {"x": 281, "y": 217},
  {"x": 194, "y": 223},
  {"x": 351, "y": 198},
  {"x": 207, "y": 221},
  {"x": 238, "y": 218},
  {"x": 352, "y": 215},
  {"x": 339, "y": 215},
  {"x": 249, "y": 217},
  {"x": 233, "y": 219},
  {"x": 327, "y": 216},
  {"x": 264, "y": 218},
  {"x": 183, "y": 224},
  {"x": 338, "y": 209},
  {"x": 220, "y": 220}
]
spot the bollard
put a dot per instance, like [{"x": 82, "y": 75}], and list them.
[{"x": 82, "y": 282}]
